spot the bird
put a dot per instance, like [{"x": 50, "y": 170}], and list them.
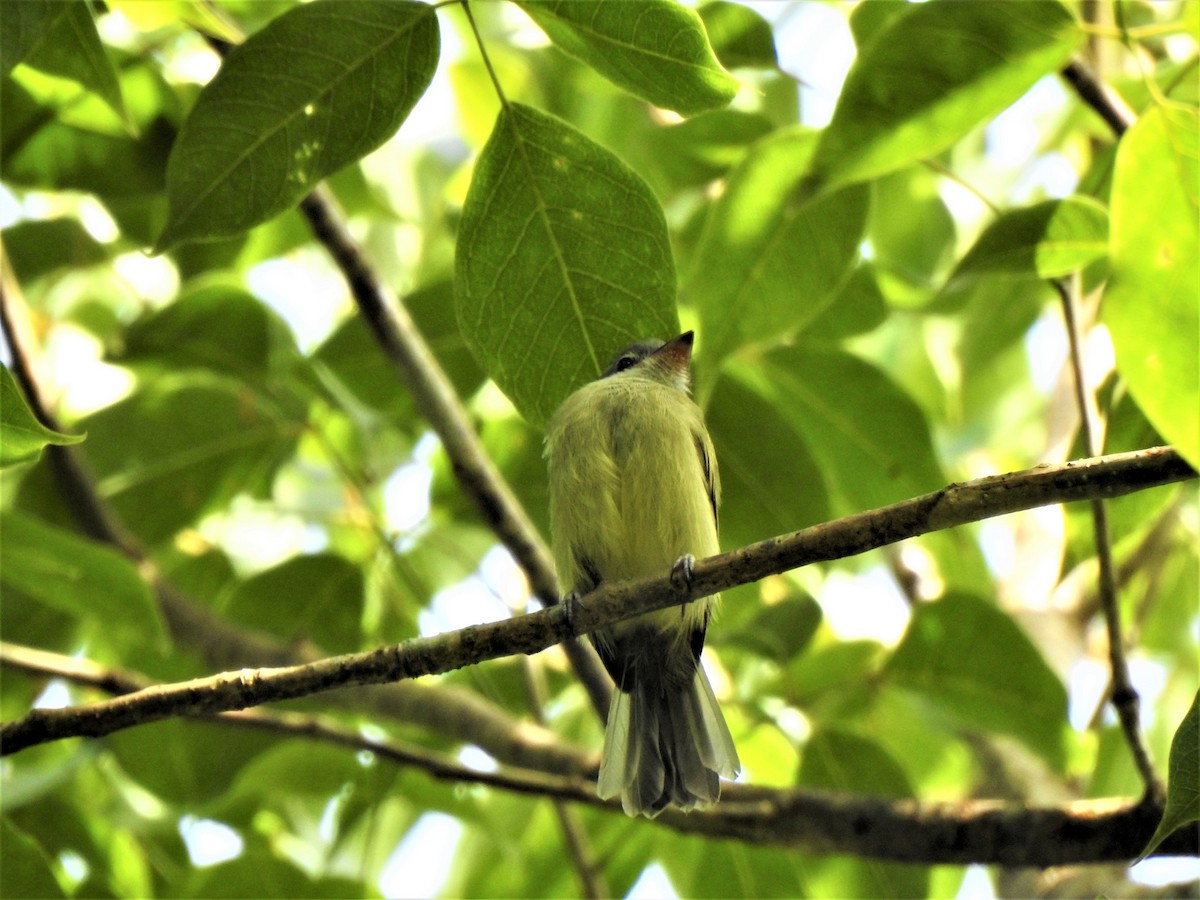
[{"x": 634, "y": 491}]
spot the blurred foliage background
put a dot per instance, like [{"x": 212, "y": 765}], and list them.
[{"x": 859, "y": 208}]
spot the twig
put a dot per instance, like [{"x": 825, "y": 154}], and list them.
[
  {"x": 1099, "y": 96},
  {"x": 905, "y": 830},
  {"x": 1123, "y": 696},
  {"x": 955, "y": 505}
]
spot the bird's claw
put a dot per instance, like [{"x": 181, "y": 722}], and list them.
[
  {"x": 571, "y": 602},
  {"x": 681, "y": 572}
]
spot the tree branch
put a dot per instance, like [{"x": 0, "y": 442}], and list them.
[
  {"x": 1099, "y": 96},
  {"x": 1123, "y": 696},
  {"x": 973, "y": 831},
  {"x": 957, "y": 504}
]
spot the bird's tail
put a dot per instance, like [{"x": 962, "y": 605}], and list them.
[{"x": 665, "y": 746}]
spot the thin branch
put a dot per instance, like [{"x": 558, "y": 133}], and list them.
[
  {"x": 955, "y": 505},
  {"x": 904, "y": 830},
  {"x": 1123, "y": 695},
  {"x": 1099, "y": 96}
]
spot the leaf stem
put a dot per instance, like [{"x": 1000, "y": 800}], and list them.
[{"x": 487, "y": 60}]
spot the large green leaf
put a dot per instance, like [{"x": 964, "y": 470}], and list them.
[
  {"x": 656, "y": 49},
  {"x": 768, "y": 261},
  {"x": 874, "y": 451},
  {"x": 562, "y": 260},
  {"x": 319, "y": 87},
  {"x": 1152, "y": 305},
  {"x": 188, "y": 763},
  {"x": 1046, "y": 240},
  {"x": 76, "y": 576},
  {"x": 60, "y": 39},
  {"x": 22, "y": 436},
  {"x": 930, "y": 74},
  {"x": 976, "y": 664}
]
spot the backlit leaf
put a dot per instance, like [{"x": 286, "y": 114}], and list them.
[
  {"x": 22, "y": 436},
  {"x": 257, "y": 141},
  {"x": 1183, "y": 778},
  {"x": 932, "y": 73},
  {"x": 1046, "y": 240},
  {"x": 1152, "y": 304},
  {"x": 60, "y": 38}
]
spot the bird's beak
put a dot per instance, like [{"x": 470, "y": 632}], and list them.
[{"x": 677, "y": 352}]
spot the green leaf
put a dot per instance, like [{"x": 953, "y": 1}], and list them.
[
  {"x": 976, "y": 664},
  {"x": 872, "y": 452},
  {"x": 656, "y": 49},
  {"x": 317, "y": 597},
  {"x": 76, "y": 576},
  {"x": 779, "y": 631},
  {"x": 858, "y": 307},
  {"x": 43, "y": 246},
  {"x": 60, "y": 38},
  {"x": 187, "y": 762},
  {"x": 1151, "y": 305},
  {"x": 771, "y": 483},
  {"x": 848, "y": 763},
  {"x": 702, "y": 148},
  {"x": 562, "y": 260},
  {"x": 172, "y": 452},
  {"x": 1183, "y": 778},
  {"x": 256, "y": 142},
  {"x": 1046, "y": 240},
  {"x": 213, "y": 326},
  {"x": 28, "y": 869},
  {"x": 352, "y": 354},
  {"x": 22, "y": 436},
  {"x": 768, "y": 262},
  {"x": 909, "y": 250},
  {"x": 739, "y": 35},
  {"x": 932, "y": 73}
]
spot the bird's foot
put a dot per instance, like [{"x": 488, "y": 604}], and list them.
[
  {"x": 681, "y": 572},
  {"x": 572, "y": 602}
]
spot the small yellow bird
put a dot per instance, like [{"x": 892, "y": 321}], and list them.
[{"x": 634, "y": 492}]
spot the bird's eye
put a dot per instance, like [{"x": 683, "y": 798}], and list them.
[{"x": 625, "y": 362}]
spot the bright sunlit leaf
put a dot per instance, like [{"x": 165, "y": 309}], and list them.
[
  {"x": 656, "y": 49},
  {"x": 22, "y": 436},
  {"x": 1152, "y": 304},
  {"x": 931, "y": 74}
]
